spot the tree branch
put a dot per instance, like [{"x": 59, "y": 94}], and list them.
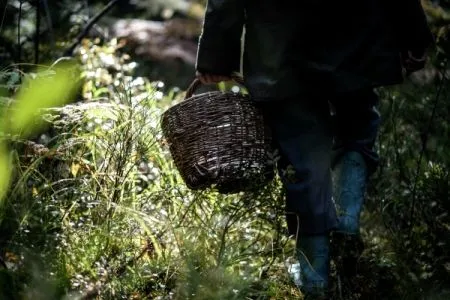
[{"x": 89, "y": 25}]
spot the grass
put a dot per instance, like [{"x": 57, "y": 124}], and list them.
[{"x": 97, "y": 210}]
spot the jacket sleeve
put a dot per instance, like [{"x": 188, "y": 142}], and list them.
[
  {"x": 411, "y": 26},
  {"x": 219, "y": 48}
]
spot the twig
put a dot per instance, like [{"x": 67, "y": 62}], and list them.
[
  {"x": 424, "y": 146},
  {"x": 19, "y": 45},
  {"x": 49, "y": 23},
  {"x": 3, "y": 15},
  {"x": 37, "y": 32},
  {"x": 88, "y": 27},
  {"x": 48, "y": 30}
]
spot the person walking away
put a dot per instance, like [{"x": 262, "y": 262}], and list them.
[{"x": 298, "y": 58}]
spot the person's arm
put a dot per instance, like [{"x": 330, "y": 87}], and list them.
[
  {"x": 219, "y": 48},
  {"x": 411, "y": 26}
]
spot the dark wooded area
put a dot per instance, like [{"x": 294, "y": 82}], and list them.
[{"x": 93, "y": 208}]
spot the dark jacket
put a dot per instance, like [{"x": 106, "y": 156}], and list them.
[{"x": 292, "y": 47}]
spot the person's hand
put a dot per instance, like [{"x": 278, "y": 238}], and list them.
[
  {"x": 413, "y": 61},
  {"x": 206, "y": 78}
]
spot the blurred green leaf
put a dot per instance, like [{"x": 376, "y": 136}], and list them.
[
  {"x": 49, "y": 88},
  {"x": 4, "y": 171}
]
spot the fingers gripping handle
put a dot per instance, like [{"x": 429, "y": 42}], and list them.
[{"x": 197, "y": 83}]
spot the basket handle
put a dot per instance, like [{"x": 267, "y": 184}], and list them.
[{"x": 197, "y": 83}]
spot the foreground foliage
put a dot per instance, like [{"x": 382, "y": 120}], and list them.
[{"x": 96, "y": 208}]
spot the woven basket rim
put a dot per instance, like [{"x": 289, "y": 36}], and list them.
[{"x": 212, "y": 95}]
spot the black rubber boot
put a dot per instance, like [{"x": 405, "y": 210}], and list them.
[
  {"x": 350, "y": 179},
  {"x": 313, "y": 254}
]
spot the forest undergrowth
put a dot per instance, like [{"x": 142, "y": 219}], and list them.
[{"x": 96, "y": 209}]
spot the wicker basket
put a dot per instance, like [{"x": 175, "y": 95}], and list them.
[{"x": 219, "y": 140}]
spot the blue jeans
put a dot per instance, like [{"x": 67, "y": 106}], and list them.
[{"x": 310, "y": 140}]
